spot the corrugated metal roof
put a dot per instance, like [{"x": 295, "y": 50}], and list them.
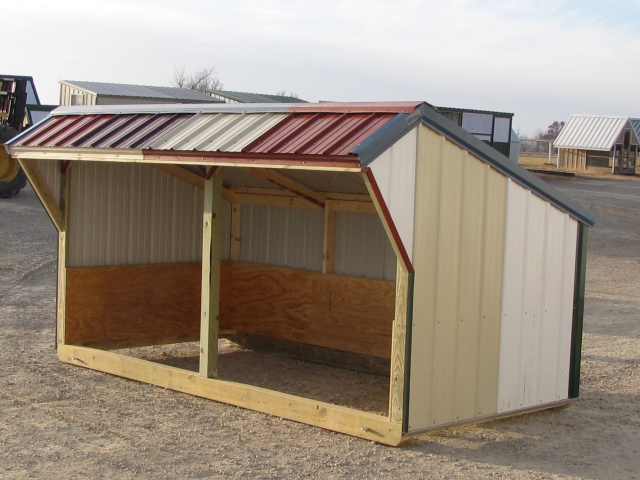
[
  {"x": 635, "y": 123},
  {"x": 141, "y": 91},
  {"x": 246, "y": 97},
  {"x": 590, "y": 132},
  {"x": 306, "y": 136},
  {"x": 259, "y": 133}
]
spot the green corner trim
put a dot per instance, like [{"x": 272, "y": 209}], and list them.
[
  {"x": 578, "y": 312},
  {"x": 407, "y": 358}
]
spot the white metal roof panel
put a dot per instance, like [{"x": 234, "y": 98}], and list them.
[
  {"x": 224, "y": 132},
  {"x": 590, "y": 132}
]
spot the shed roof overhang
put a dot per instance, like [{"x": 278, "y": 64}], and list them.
[{"x": 323, "y": 136}]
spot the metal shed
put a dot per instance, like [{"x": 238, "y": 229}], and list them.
[
  {"x": 73, "y": 92},
  {"x": 376, "y": 235},
  {"x": 598, "y": 141}
]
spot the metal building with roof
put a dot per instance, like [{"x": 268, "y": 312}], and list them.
[
  {"x": 74, "y": 92},
  {"x": 598, "y": 141},
  {"x": 229, "y": 96},
  {"x": 376, "y": 236}
]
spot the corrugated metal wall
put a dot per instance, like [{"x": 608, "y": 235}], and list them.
[
  {"x": 458, "y": 255},
  {"x": 394, "y": 172},
  {"x": 125, "y": 214},
  {"x": 537, "y": 305},
  {"x": 67, "y": 91},
  {"x": 362, "y": 248},
  {"x": 293, "y": 237},
  {"x": 50, "y": 171},
  {"x": 572, "y": 159},
  {"x": 286, "y": 237}
]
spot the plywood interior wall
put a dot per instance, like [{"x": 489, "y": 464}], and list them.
[{"x": 162, "y": 302}]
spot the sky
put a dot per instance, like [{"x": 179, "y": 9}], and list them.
[{"x": 541, "y": 60}]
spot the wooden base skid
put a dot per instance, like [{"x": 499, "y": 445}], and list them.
[{"x": 320, "y": 414}]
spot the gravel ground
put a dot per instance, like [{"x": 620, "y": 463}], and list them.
[{"x": 58, "y": 421}]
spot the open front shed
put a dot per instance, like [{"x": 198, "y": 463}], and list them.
[
  {"x": 598, "y": 141},
  {"x": 378, "y": 237}
]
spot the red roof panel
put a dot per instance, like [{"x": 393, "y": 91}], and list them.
[{"x": 318, "y": 134}]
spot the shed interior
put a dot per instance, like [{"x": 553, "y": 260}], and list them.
[{"x": 306, "y": 271}]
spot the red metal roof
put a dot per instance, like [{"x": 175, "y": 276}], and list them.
[{"x": 318, "y": 133}]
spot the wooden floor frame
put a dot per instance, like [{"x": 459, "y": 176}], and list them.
[{"x": 320, "y": 414}]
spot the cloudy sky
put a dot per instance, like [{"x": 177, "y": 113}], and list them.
[{"x": 541, "y": 60}]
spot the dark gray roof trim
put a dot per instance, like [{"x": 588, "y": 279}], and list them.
[
  {"x": 484, "y": 152},
  {"x": 247, "y": 97},
  {"x": 401, "y": 124},
  {"x": 396, "y": 128}
]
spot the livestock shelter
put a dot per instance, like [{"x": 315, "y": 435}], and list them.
[
  {"x": 379, "y": 237},
  {"x": 598, "y": 141}
]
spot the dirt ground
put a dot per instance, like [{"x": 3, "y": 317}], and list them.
[{"x": 59, "y": 421}]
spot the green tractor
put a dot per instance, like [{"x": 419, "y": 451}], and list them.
[{"x": 19, "y": 109}]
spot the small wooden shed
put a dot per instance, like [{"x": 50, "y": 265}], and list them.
[
  {"x": 370, "y": 235},
  {"x": 598, "y": 141}
]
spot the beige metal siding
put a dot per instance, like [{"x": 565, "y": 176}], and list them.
[
  {"x": 66, "y": 91},
  {"x": 362, "y": 248},
  {"x": 458, "y": 251},
  {"x": 394, "y": 172},
  {"x": 124, "y": 214},
  {"x": 286, "y": 237},
  {"x": 50, "y": 171},
  {"x": 572, "y": 159},
  {"x": 537, "y": 305}
]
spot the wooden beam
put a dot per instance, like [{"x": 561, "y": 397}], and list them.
[
  {"x": 272, "y": 200},
  {"x": 61, "y": 298},
  {"x": 43, "y": 191},
  {"x": 288, "y": 184},
  {"x": 329, "y": 239},
  {"x": 210, "y": 296},
  {"x": 236, "y": 231},
  {"x": 352, "y": 206},
  {"x": 352, "y": 197},
  {"x": 398, "y": 345},
  {"x": 364, "y": 425},
  {"x": 181, "y": 173}
]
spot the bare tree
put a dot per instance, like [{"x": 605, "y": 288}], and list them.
[
  {"x": 283, "y": 93},
  {"x": 552, "y": 132},
  {"x": 204, "y": 80}
]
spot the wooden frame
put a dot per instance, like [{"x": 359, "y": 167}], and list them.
[
  {"x": 320, "y": 414},
  {"x": 93, "y": 354}
]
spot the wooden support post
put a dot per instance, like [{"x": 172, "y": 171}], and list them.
[
  {"x": 210, "y": 298},
  {"x": 328, "y": 246},
  {"x": 65, "y": 189},
  {"x": 398, "y": 346},
  {"x": 236, "y": 228}
]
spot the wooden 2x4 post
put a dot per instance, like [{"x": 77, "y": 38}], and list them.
[{"x": 210, "y": 298}]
